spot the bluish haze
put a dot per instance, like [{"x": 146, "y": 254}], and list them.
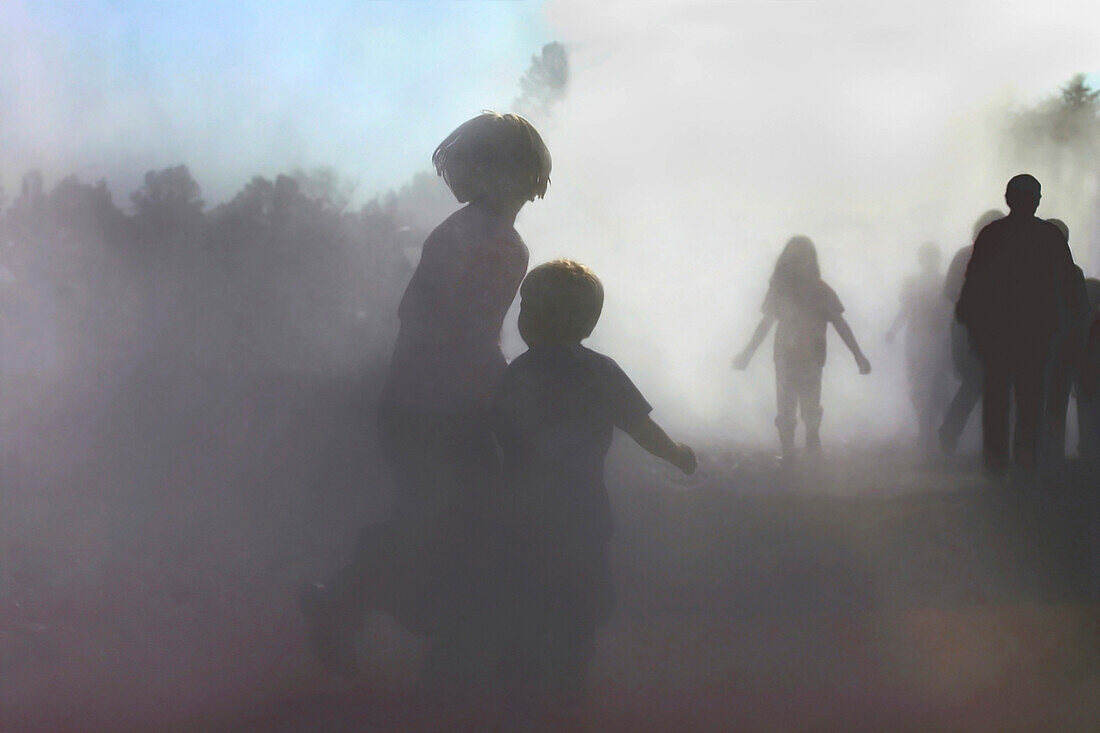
[{"x": 112, "y": 89}]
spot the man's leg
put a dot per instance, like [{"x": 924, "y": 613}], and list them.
[
  {"x": 1053, "y": 439},
  {"x": 997, "y": 380},
  {"x": 1029, "y": 387}
]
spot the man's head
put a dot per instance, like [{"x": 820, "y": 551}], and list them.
[
  {"x": 494, "y": 157},
  {"x": 1022, "y": 194},
  {"x": 560, "y": 302}
]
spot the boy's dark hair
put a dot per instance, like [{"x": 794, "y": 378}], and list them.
[
  {"x": 560, "y": 301},
  {"x": 494, "y": 156}
]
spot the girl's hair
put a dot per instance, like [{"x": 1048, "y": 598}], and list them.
[
  {"x": 494, "y": 156},
  {"x": 798, "y": 249},
  {"x": 560, "y": 301}
]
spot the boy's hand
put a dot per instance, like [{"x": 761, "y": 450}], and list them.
[
  {"x": 863, "y": 364},
  {"x": 685, "y": 459},
  {"x": 741, "y": 361}
]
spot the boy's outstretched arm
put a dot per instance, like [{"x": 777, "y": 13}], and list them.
[
  {"x": 741, "y": 361},
  {"x": 849, "y": 340},
  {"x": 650, "y": 436}
]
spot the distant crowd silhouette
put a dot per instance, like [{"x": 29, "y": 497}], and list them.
[{"x": 497, "y": 549}]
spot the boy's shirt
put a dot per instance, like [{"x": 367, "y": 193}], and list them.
[
  {"x": 556, "y": 410},
  {"x": 802, "y": 320}
]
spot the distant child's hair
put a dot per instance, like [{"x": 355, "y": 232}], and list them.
[
  {"x": 560, "y": 301},
  {"x": 798, "y": 250},
  {"x": 494, "y": 156}
]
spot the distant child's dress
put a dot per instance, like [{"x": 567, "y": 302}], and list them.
[{"x": 801, "y": 318}]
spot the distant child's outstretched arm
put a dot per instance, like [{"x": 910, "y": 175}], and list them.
[
  {"x": 650, "y": 436},
  {"x": 741, "y": 361},
  {"x": 849, "y": 339},
  {"x": 903, "y": 317}
]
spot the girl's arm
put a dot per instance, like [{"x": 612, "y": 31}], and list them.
[
  {"x": 741, "y": 361},
  {"x": 849, "y": 340},
  {"x": 654, "y": 440}
]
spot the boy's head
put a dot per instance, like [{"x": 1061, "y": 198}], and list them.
[
  {"x": 494, "y": 157},
  {"x": 560, "y": 302}
]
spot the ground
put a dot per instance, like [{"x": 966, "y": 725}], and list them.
[{"x": 879, "y": 590}]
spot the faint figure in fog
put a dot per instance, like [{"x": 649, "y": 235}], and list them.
[
  {"x": 1012, "y": 302},
  {"x": 968, "y": 366},
  {"x": 1063, "y": 378},
  {"x": 434, "y": 421},
  {"x": 557, "y": 407},
  {"x": 924, "y": 314},
  {"x": 803, "y": 305},
  {"x": 1088, "y": 403}
]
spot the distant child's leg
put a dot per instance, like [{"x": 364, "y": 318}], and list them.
[
  {"x": 958, "y": 412},
  {"x": 810, "y": 397},
  {"x": 786, "y": 405}
]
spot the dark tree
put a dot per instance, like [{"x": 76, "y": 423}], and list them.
[
  {"x": 544, "y": 83},
  {"x": 168, "y": 200}
]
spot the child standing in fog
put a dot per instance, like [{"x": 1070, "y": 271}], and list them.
[
  {"x": 555, "y": 413},
  {"x": 803, "y": 305}
]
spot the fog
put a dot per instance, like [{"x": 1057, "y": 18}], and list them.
[
  {"x": 697, "y": 138},
  {"x": 194, "y": 329}
]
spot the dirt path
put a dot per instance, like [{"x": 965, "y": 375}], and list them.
[{"x": 868, "y": 595}]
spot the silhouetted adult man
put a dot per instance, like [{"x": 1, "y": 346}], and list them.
[{"x": 1013, "y": 302}]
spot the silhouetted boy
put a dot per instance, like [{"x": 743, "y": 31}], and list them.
[
  {"x": 924, "y": 316},
  {"x": 803, "y": 305},
  {"x": 968, "y": 366},
  {"x": 1012, "y": 303},
  {"x": 556, "y": 410}
]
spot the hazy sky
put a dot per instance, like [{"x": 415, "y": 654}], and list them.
[{"x": 109, "y": 87}]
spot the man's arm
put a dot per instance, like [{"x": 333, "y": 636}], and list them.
[{"x": 650, "y": 436}]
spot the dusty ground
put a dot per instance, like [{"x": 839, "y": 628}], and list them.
[{"x": 880, "y": 591}]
